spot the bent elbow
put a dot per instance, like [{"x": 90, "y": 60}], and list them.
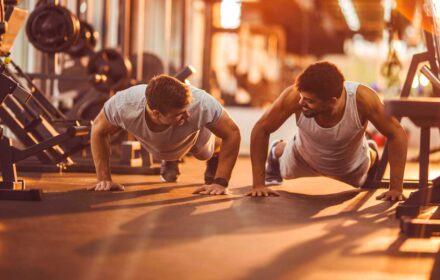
[{"x": 259, "y": 130}]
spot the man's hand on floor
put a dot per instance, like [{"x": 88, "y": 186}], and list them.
[
  {"x": 391, "y": 195},
  {"x": 106, "y": 186},
  {"x": 262, "y": 191},
  {"x": 213, "y": 189}
]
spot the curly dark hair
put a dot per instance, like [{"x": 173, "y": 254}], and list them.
[
  {"x": 165, "y": 93},
  {"x": 323, "y": 79}
]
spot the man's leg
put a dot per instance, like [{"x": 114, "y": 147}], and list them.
[
  {"x": 292, "y": 165},
  {"x": 364, "y": 173},
  {"x": 169, "y": 171},
  {"x": 272, "y": 172},
  {"x": 207, "y": 147},
  {"x": 373, "y": 150},
  {"x": 212, "y": 163},
  {"x": 374, "y": 153}
]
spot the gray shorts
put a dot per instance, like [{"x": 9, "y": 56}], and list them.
[
  {"x": 292, "y": 166},
  {"x": 204, "y": 147}
]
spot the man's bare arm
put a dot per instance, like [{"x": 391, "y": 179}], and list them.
[
  {"x": 101, "y": 150},
  {"x": 373, "y": 110},
  {"x": 225, "y": 129},
  {"x": 284, "y": 106}
]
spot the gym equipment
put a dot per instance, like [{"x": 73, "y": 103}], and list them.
[
  {"x": 107, "y": 71},
  {"x": 38, "y": 102},
  {"x": 88, "y": 105},
  {"x": 110, "y": 70},
  {"x": 52, "y": 28},
  {"x": 90, "y": 101},
  {"x": 152, "y": 65},
  {"x": 420, "y": 213},
  {"x": 184, "y": 73},
  {"x": 11, "y": 19},
  {"x": 425, "y": 113},
  {"x": 430, "y": 57},
  {"x": 20, "y": 111},
  {"x": 80, "y": 85},
  {"x": 86, "y": 41},
  {"x": 27, "y": 112},
  {"x": 15, "y": 114},
  {"x": 13, "y": 189},
  {"x": 133, "y": 155}
]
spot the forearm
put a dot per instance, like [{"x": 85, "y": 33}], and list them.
[
  {"x": 259, "y": 144},
  {"x": 100, "y": 144},
  {"x": 230, "y": 147},
  {"x": 397, "y": 149}
]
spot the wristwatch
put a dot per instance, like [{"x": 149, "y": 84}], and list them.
[{"x": 221, "y": 181}]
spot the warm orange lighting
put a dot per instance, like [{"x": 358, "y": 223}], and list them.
[
  {"x": 230, "y": 13},
  {"x": 350, "y": 15},
  {"x": 412, "y": 10}
]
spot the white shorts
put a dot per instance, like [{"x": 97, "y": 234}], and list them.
[
  {"x": 204, "y": 147},
  {"x": 292, "y": 166}
]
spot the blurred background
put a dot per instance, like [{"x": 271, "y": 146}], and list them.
[{"x": 244, "y": 52}]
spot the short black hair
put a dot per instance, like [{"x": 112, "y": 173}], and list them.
[
  {"x": 323, "y": 79},
  {"x": 165, "y": 93}
]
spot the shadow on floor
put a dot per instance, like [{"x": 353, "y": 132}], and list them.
[
  {"x": 222, "y": 215},
  {"x": 83, "y": 201}
]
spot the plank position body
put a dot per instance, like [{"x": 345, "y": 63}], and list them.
[
  {"x": 331, "y": 116},
  {"x": 169, "y": 119}
]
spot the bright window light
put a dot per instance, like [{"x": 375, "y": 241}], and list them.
[
  {"x": 423, "y": 81},
  {"x": 436, "y": 8},
  {"x": 83, "y": 7},
  {"x": 230, "y": 12},
  {"x": 415, "y": 83},
  {"x": 388, "y": 6},
  {"x": 350, "y": 15}
]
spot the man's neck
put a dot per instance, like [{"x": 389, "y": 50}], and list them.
[
  {"x": 334, "y": 116},
  {"x": 152, "y": 123}
]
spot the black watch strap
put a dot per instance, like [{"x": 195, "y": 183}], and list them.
[{"x": 221, "y": 181}]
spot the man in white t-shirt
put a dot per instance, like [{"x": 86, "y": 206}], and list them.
[{"x": 169, "y": 119}]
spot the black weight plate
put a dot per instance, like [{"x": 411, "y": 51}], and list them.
[
  {"x": 52, "y": 28},
  {"x": 86, "y": 42},
  {"x": 114, "y": 66}
]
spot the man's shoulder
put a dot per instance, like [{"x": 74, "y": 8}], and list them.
[
  {"x": 201, "y": 97},
  {"x": 132, "y": 94},
  {"x": 198, "y": 93},
  {"x": 365, "y": 94},
  {"x": 367, "y": 100},
  {"x": 135, "y": 91}
]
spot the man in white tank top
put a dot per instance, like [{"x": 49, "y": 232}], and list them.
[
  {"x": 169, "y": 119},
  {"x": 332, "y": 116}
]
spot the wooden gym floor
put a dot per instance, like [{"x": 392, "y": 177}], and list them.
[{"x": 317, "y": 229}]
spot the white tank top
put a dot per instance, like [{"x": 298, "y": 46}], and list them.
[{"x": 338, "y": 150}]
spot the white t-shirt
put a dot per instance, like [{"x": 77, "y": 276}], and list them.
[{"x": 126, "y": 109}]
